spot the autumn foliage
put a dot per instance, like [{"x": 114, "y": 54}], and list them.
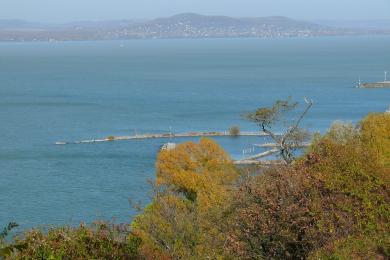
[
  {"x": 334, "y": 202},
  {"x": 98, "y": 241},
  {"x": 194, "y": 181},
  {"x": 331, "y": 203},
  {"x": 201, "y": 172},
  {"x": 376, "y": 136}
]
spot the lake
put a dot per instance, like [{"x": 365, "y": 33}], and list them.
[{"x": 71, "y": 91}]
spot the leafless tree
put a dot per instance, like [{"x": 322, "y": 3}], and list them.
[{"x": 293, "y": 136}]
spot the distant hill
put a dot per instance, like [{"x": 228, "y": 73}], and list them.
[
  {"x": 187, "y": 25},
  {"x": 195, "y": 25},
  {"x": 18, "y": 24},
  {"x": 357, "y": 24},
  {"x": 225, "y": 21},
  {"x": 98, "y": 25}
]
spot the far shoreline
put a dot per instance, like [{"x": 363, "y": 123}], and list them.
[{"x": 196, "y": 38}]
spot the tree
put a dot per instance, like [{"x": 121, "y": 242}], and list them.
[
  {"x": 200, "y": 172},
  {"x": 375, "y": 130},
  {"x": 293, "y": 137},
  {"x": 333, "y": 203},
  {"x": 185, "y": 219},
  {"x": 234, "y": 131},
  {"x": 355, "y": 189}
]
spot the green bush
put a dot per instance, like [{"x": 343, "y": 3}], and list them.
[
  {"x": 99, "y": 241},
  {"x": 110, "y": 138},
  {"x": 234, "y": 130}
]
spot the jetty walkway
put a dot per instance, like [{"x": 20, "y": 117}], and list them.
[
  {"x": 164, "y": 135},
  {"x": 273, "y": 145}
]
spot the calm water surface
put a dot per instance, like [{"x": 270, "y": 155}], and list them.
[{"x": 81, "y": 90}]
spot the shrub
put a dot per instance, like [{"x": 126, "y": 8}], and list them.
[
  {"x": 111, "y": 138},
  {"x": 100, "y": 241},
  {"x": 234, "y": 131},
  {"x": 329, "y": 203},
  {"x": 375, "y": 246},
  {"x": 375, "y": 130},
  {"x": 272, "y": 217}
]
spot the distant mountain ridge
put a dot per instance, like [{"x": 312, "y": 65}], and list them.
[
  {"x": 186, "y": 25},
  {"x": 9, "y": 24},
  {"x": 226, "y": 21},
  {"x": 357, "y": 24},
  {"x": 200, "y": 26}
]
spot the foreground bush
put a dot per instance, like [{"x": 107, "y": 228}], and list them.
[
  {"x": 101, "y": 241},
  {"x": 332, "y": 203},
  {"x": 273, "y": 217},
  {"x": 234, "y": 131}
]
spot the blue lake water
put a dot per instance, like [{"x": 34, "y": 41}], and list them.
[{"x": 81, "y": 90}]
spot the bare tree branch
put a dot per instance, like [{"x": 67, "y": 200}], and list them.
[{"x": 293, "y": 137}]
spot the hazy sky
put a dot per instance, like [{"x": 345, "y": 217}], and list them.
[{"x": 71, "y": 10}]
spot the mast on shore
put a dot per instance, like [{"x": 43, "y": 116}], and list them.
[{"x": 359, "y": 83}]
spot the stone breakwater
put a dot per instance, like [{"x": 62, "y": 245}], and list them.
[
  {"x": 161, "y": 136},
  {"x": 385, "y": 84}
]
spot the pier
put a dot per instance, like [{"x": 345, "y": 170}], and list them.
[
  {"x": 257, "y": 159},
  {"x": 164, "y": 136},
  {"x": 254, "y": 159},
  {"x": 273, "y": 145},
  {"x": 382, "y": 84}
]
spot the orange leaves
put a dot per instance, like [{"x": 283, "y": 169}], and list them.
[
  {"x": 196, "y": 170},
  {"x": 194, "y": 183}
]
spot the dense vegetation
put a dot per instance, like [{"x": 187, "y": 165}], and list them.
[{"x": 331, "y": 203}]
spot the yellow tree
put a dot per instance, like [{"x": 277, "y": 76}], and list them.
[
  {"x": 185, "y": 219},
  {"x": 375, "y": 130},
  {"x": 202, "y": 172}
]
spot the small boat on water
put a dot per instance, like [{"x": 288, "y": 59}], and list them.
[{"x": 380, "y": 84}]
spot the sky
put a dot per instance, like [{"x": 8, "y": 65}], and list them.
[{"x": 59, "y": 11}]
